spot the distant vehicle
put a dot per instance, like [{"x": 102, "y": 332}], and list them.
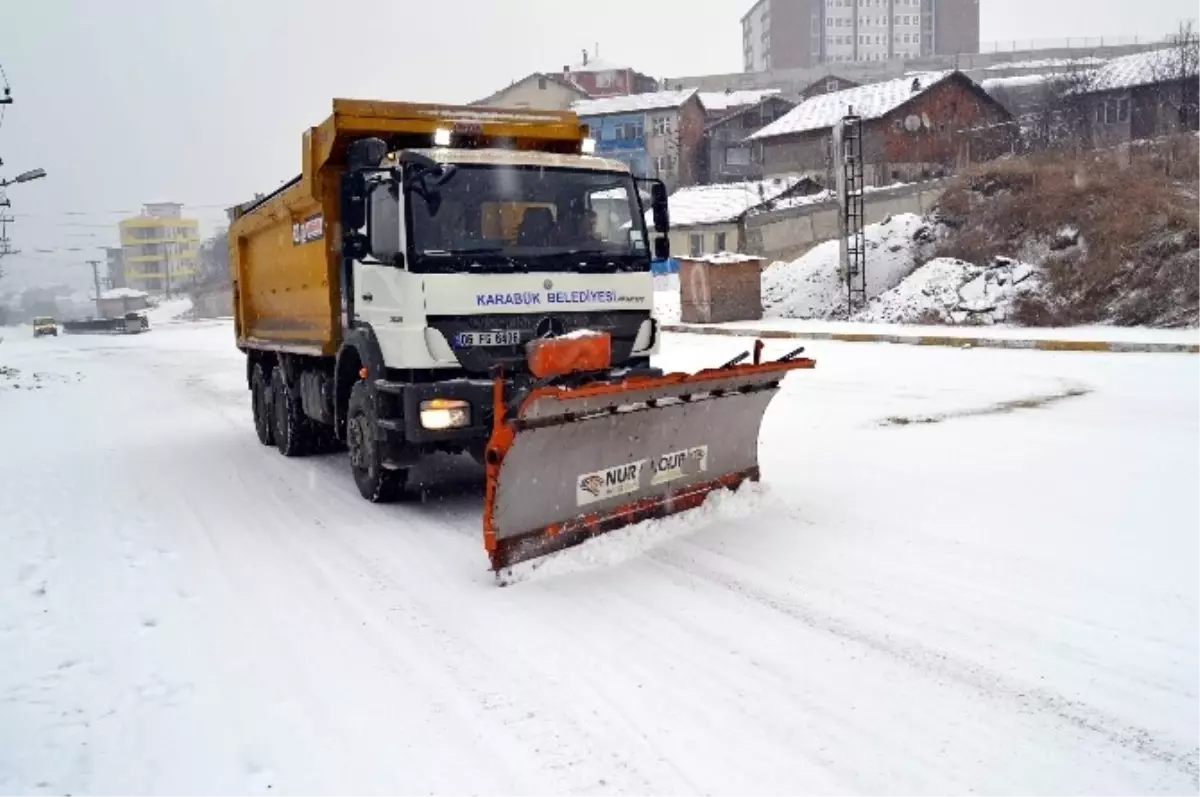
[{"x": 45, "y": 325}]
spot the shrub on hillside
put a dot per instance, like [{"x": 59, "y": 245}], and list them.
[{"x": 1117, "y": 234}]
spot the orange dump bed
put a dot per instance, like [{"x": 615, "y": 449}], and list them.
[{"x": 284, "y": 248}]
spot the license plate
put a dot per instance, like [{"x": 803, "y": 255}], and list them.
[{"x": 503, "y": 337}]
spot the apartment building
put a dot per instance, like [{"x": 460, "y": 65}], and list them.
[
  {"x": 658, "y": 134},
  {"x": 788, "y": 34},
  {"x": 160, "y": 248}
]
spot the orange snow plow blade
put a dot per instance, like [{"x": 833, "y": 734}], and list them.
[{"x": 596, "y": 452}]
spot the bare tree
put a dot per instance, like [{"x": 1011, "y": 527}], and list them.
[{"x": 1174, "y": 74}]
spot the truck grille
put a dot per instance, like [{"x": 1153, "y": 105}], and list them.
[{"x": 621, "y": 325}]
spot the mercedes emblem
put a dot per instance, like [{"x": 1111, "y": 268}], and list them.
[{"x": 549, "y": 328}]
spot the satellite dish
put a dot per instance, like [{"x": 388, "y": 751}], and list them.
[{"x": 912, "y": 123}]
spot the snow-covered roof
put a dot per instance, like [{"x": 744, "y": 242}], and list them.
[
  {"x": 718, "y": 101},
  {"x": 1013, "y": 81},
  {"x": 123, "y": 293},
  {"x": 725, "y": 202},
  {"x": 869, "y": 102},
  {"x": 632, "y": 103},
  {"x": 1049, "y": 63},
  {"x": 1141, "y": 69}
]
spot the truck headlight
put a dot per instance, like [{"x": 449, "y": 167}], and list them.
[
  {"x": 588, "y": 147},
  {"x": 441, "y": 137},
  {"x": 442, "y": 413}
]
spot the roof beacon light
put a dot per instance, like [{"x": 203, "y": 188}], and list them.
[
  {"x": 441, "y": 137},
  {"x": 589, "y": 146}
]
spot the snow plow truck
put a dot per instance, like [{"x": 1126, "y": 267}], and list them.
[{"x": 476, "y": 280}]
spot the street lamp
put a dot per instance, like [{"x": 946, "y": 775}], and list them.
[{"x": 24, "y": 177}]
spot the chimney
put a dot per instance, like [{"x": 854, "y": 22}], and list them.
[
  {"x": 916, "y": 85},
  {"x": 566, "y": 71},
  {"x": 585, "y": 56}
]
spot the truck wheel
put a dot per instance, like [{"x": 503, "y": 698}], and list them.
[
  {"x": 375, "y": 482},
  {"x": 260, "y": 403},
  {"x": 293, "y": 431}
]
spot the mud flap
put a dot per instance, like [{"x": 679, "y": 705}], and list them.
[{"x": 570, "y": 463}]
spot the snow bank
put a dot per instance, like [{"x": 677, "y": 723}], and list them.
[
  {"x": 946, "y": 290},
  {"x": 813, "y": 286},
  {"x": 169, "y": 310}
]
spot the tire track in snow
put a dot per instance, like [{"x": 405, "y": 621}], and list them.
[{"x": 933, "y": 662}]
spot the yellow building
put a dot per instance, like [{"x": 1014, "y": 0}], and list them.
[{"x": 161, "y": 249}]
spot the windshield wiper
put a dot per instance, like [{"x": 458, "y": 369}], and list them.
[
  {"x": 590, "y": 259},
  {"x": 499, "y": 262}
]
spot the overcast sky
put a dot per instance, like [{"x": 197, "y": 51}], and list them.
[{"x": 203, "y": 101}]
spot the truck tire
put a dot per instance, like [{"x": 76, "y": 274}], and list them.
[
  {"x": 376, "y": 483},
  {"x": 260, "y": 404},
  {"x": 293, "y": 431}
]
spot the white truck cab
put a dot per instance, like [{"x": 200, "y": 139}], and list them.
[{"x": 474, "y": 252}]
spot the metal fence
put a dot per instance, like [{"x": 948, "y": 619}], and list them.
[{"x": 1073, "y": 43}]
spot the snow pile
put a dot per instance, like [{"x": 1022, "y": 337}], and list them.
[
  {"x": 813, "y": 285},
  {"x": 123, "y": 293},
  {"x": 949, "y": 291},
  {"x": 667, "y": 306},
  {"x": 170, "y": 310}
]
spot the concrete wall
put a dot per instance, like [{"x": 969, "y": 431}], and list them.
[{"x": 787, "y": 234}]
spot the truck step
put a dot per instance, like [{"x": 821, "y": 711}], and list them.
[
  {"x": 387, "y": 386},
  {"x": 391, "y": 424}
]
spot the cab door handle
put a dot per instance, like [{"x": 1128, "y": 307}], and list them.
[{"x": 368, "y": 297}]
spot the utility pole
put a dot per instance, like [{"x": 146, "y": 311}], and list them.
[
  {"x": 95, "y": 264},
  {"x": 5, "y": 244}
]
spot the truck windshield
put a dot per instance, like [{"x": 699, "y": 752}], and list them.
[{"x": 526, "y": 218}]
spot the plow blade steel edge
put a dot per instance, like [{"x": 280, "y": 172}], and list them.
[{"x": 565, "y": 477}]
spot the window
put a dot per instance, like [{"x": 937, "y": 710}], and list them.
[
  {"x": 831, "y": 85},
  {"x": 737, "y": 156},
  {"x": 542, "y": 83},
  {"x": 661, "y": 125},
  {"x": 663, "y": 163},
  {"x": 696, "y": 241},
  {"x": 1114, "y": 111},
  {"x": 719, "y": 241}
]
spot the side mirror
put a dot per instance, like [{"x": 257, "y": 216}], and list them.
[
  {"x": 365, "y": 153},
  {"x": 662, "y": 248},
  {"x": 658, "y": 206},
  {"x": 383, "y": 225}
]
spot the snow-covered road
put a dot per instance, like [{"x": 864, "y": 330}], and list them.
[{"x": 964, "y": 570}]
